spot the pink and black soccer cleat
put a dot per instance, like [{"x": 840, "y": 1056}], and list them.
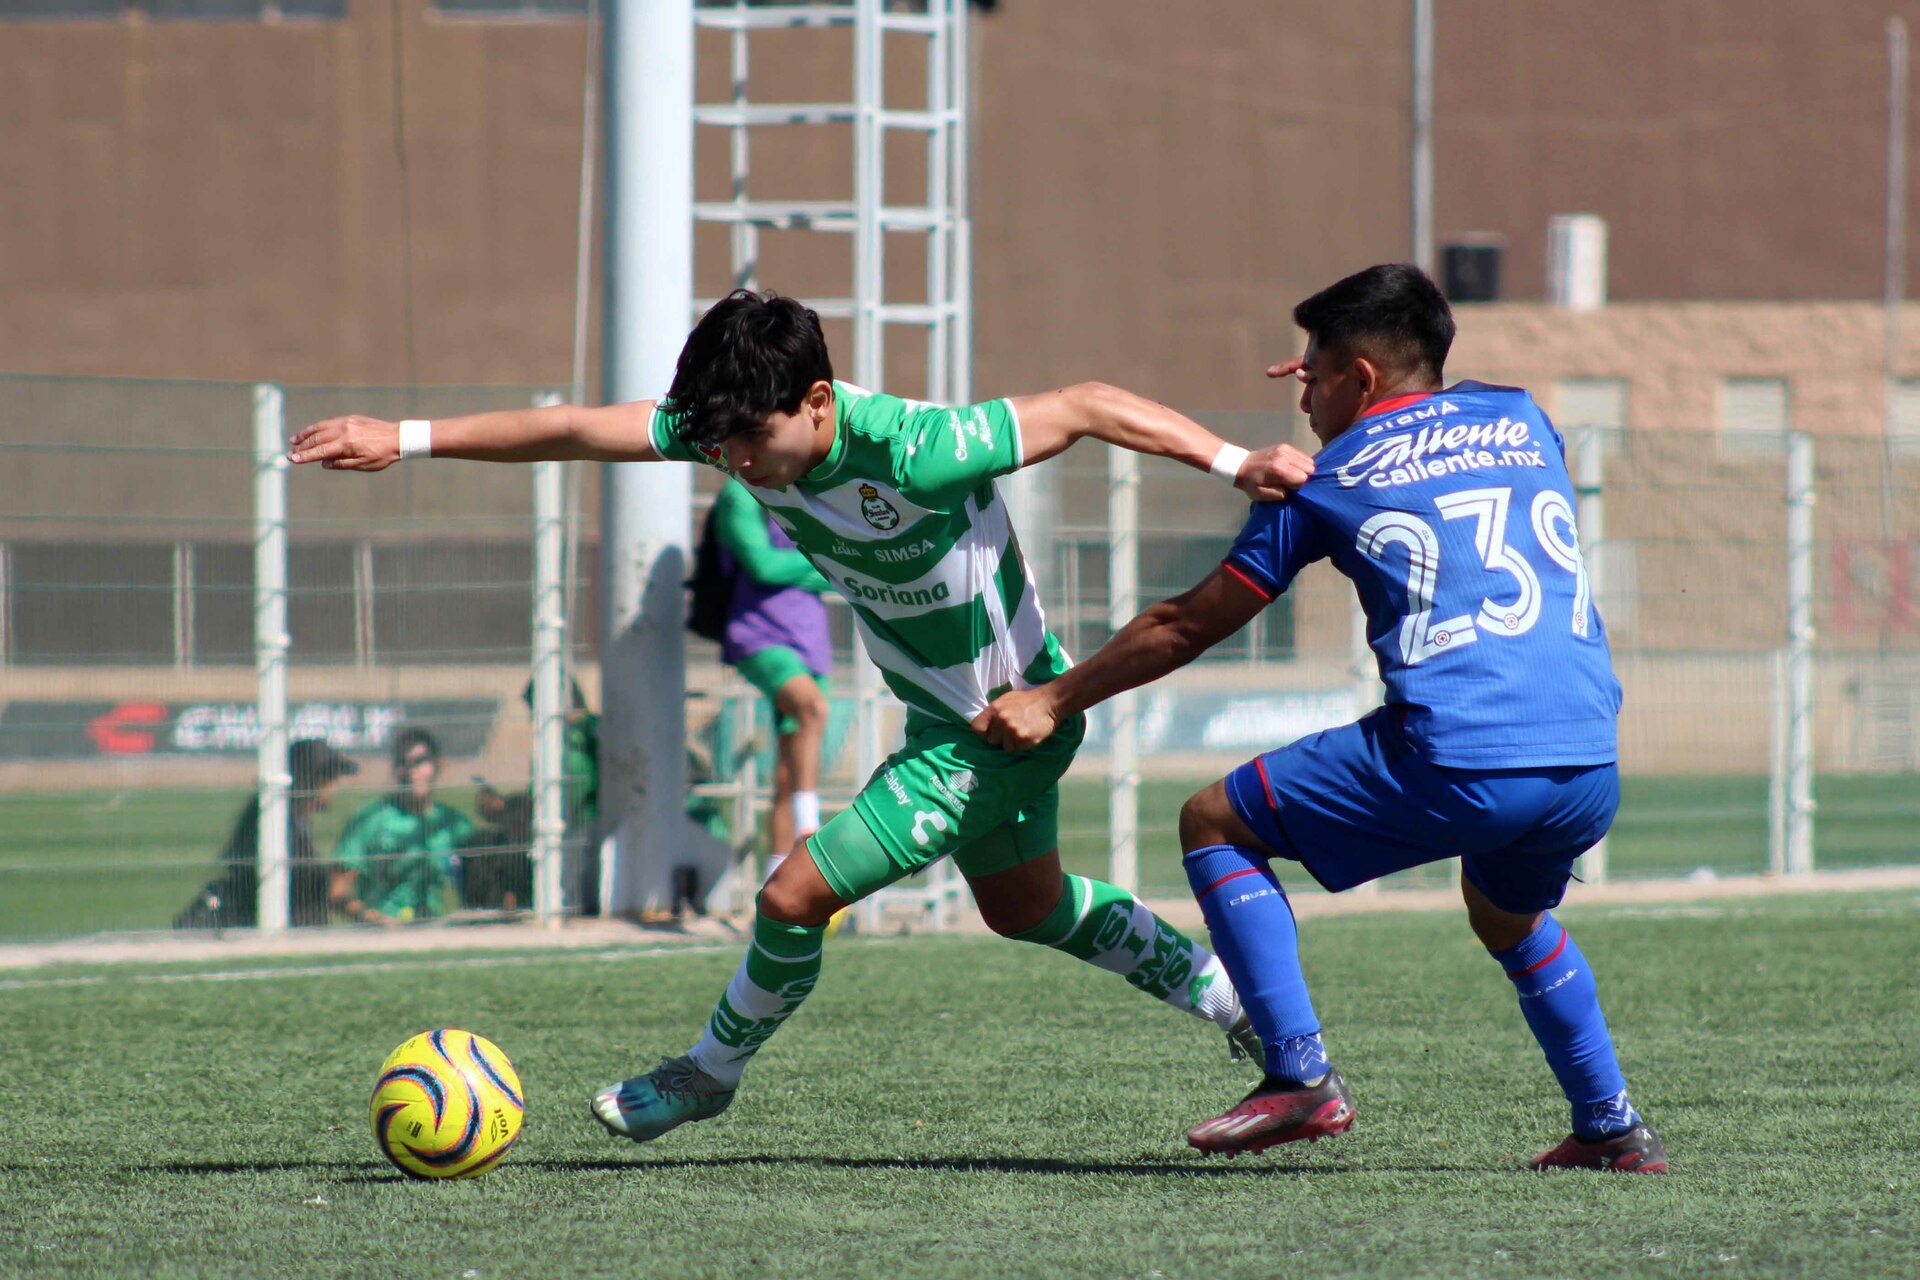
[
  {"x": 1638, "y": 1150},
  {"x": 1275, "y": 1113}
]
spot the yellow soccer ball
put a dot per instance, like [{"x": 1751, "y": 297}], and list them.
[{"x": 447, "y": 1104}]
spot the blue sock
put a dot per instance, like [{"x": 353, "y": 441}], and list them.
[
  {"x": 1253, "y": 934},
  {"x": 1562, "y": 1007}
]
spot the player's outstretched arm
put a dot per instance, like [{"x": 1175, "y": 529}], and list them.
[
  {"x": 614, "y": 433},
  {"x": 1164, "y": 638},
  {"x": 1053, "y": 420}
]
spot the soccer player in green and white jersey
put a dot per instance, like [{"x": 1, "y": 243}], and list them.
[{"x": 893, "y": 500}]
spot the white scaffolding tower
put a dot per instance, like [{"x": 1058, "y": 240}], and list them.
[{"x": 942, "y": 315}]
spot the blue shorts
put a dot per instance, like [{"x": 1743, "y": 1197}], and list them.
[{"x": 1356, "y": 803}]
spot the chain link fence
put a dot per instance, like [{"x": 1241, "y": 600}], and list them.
[{"x": 1771, "y": 662}]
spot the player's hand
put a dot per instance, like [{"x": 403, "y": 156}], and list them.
[
  {"x": 1287, "y": 368},
  {"x": 1270, "y": 474},
  {"x": 1019, "y": 720},
  {"x": 352, "y": 443}
]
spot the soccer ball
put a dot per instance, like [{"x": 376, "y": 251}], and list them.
[{"x": 447, "y": 1105}]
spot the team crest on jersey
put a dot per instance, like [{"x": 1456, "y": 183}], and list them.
[{"x": 876, "y": 510}]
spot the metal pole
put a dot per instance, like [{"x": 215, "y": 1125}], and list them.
[
  {"x": 869, "y": 193},
  {"x": 646, "y": 510},
  {"x": 1799, "y": 852},
  {"x": 1422, "y": 166},
  {"x": 1590, "y": 515},
  {"x": 549, "y": 685},
  {"x": 868, "y": 360},
  {"x": 1778, "y": 718},
  {"x": 182, "y": 604},
  {"x": 1123, "y": 750},
  {"x": 270, "y": 645},
  {"x": 960, "y": 83},
  {"x": 1895, "y": 283},
  {"x": 744, "y": 236}
]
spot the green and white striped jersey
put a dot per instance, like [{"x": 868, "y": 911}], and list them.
[{"x": 903, "y": 519}]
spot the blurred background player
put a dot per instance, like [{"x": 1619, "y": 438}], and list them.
[
  {"x": 894, "y": 502},
  {"x": 232, "y": 900},
  {"x": 1452, "y": 514},
  {"x": 496, "y": 871},
  {"x": 395, "y": 862},
  {"x": 776, "y": 637}
]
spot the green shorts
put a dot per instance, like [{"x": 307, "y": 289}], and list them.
[
  {"x": 769, "y": 671},
  {"x": 947, "y": 792}
]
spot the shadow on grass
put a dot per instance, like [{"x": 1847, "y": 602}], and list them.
[{"x": 358, "y": 1171}]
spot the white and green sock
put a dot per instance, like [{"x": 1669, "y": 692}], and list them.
[
  {"x": 781, "y": 965},
  {"x": 1111, "y": 929}
]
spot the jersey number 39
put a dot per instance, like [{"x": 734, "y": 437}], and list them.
[{"x": 1420, "y": 636}]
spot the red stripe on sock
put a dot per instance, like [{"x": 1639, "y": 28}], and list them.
[
  {"x": 1541, "y": 964},
  {"x": 1231, "y": 875}
]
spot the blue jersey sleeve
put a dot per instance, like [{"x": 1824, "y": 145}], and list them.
[{"x": 1277, "y": 542}]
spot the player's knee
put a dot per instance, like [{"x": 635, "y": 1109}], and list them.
[
  {"x": 1204, "y": 819},
  {"x": 806, "y": 702},
  {"x": 789, "y": 898},
  {"x": 1018, "y": 901},
  {"x": 1497, "y": 929},
  {"x": 1010, "y": 919}
]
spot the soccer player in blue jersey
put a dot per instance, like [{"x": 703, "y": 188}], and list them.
[{"x": 1451, "y": 512}]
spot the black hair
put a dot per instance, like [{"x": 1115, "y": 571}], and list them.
[
  {"x": 579, "y": 696},
  {"x": 313, "y": 764},
  {"x": 751, "y": 355},
  {"x": 410, "y": 737},
  {"x": 1392, "y": 314}
]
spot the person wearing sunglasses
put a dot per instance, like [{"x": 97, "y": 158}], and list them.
[{"x": 397, "y": 860}]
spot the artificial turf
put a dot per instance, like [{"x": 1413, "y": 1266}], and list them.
[{"x": 964, "y": 1106}]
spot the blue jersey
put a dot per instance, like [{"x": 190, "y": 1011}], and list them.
[{"x": 1452, "y": 514}]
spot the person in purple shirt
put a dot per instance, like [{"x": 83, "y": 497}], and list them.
[{"x": 776, "y": 638}]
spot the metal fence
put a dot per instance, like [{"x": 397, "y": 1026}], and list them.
[
  {"x": 144, "y": 772},
  {"x": 1762, "y": 594}
]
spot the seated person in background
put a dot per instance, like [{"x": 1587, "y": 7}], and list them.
[
  {"x": 231, "y": 900},
  {"x": 495, "y": 871},
  {"x": 777, "y": 639},
  {"x": 396, "y": 859}
]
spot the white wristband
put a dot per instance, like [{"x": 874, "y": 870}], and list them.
[
  {"x": 416, "y": 438},
  {"x": 1226, "y": 463},
  {"x": 806, "y": 812}
]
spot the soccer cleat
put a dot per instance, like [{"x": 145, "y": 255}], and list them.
[
  {"x": 1274, "y": 1113},
  {"x": 667, "y": 1097},
  {"x": 1638, "y": 1150},
  {"x": 1243, "y": 1042}
]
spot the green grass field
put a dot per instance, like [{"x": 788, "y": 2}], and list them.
[
  {"x": 960, "y": 1106},
  {"x": 78, "y": 862}
]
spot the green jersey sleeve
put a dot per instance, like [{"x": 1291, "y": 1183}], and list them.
[
  {"x": 668, "y": 444},
  {"x": 951, "y": 452}
]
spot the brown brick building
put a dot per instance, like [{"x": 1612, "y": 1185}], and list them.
[{"x": 1154, "y": 184}]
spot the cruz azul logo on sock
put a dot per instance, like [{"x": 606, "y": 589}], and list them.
[
  {"x": 1265, "y": 892},
  {"x": 1558, "y": 982},
  {"x": 876, "y": 510}
]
